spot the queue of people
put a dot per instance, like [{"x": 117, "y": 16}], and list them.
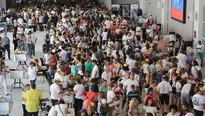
[{"x": 108, "y": 65}]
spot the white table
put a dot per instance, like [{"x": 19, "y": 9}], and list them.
[
  {"x": 16, "y": 75},
  {"x": 21, "y": 59}
]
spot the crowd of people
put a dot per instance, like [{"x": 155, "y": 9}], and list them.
[{"x": 107, "y": 63}]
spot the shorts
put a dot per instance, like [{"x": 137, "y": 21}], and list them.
[
  {"x": 164, "y": 98},
  {"x": 176, "y": 95}
]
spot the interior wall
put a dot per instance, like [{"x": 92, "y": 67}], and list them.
[
  {"x": 125, "y": 1},
  {"x": 3, "y": 4},
  {"x": 154, "y": 7}
]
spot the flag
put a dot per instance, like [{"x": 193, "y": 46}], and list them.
[{"x": 178, "y": 9}]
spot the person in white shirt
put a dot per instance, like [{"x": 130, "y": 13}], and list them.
[
  {"x": 150, "y": 108},
  {"x": 107, "y": 23},
  {"x": 182, "y": 60},
  {"x": 173, "y": 110},
  {"x": 46, "y": 58},
  {"x": 199, "y": 102},
  {"x": 132, "y": 81},
  {"x": 95, "y": 70},
  {"x": 178, "y": 86},
  {"x": 131, "y": 62},
  {"x": 78, "y": 89},
  {"x": 20, "y": 21},
  {"x": 200, "y": 51},
  {"x": 185, "y": 97},
  {"x": 184, "y": 74},
  {"x": 195, "y": 68},
  {"x": 55, "y": 91},
  {"x": 61, "y": 108},
  {"x": 138, "y": 31},
  {"x": 106, "y": 75},
  {"x": 110, "y": 100},
  {"x": 146, "y": 66},
  {"x": 63, "y": 55},
  {"x": 52, "y": 111},
  {"x": 164, "y": 88},
  {"x": 105, "y": 35},
  {"x": 32, "y": 73},
  {"x": 172, "y": 38}
]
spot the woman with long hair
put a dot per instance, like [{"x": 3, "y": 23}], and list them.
[
  {"x": 133, "y": 108},
  {"x": 150, "y": 107},
  {"x": 195, "y": 69},
  {"x": 61, "y": 108}
]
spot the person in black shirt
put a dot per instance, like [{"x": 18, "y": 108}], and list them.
[{"x": 2, "y": 51}]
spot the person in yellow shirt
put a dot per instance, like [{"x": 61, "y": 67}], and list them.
[{"x": 32, "y": 98}]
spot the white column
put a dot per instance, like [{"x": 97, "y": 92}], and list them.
[
  {"x": 164, "y": 16},
  {"x": 143, "y": 6}
]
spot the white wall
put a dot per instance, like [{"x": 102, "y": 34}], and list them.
[
  {"x": 108, "y": 4},
  {"x": 161, "y": 13},
  {"x": 3, "y": 4},
  {"x": 198, "y": 26},
  {"x": 186, "y": 30},
  {"x": 154, "y": 7}
]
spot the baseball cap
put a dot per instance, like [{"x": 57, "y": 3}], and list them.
[
  {"x": 31, "y": 63},
  {"x": 147, "y": 60},
  {"x": 201, "y": 89},
  {"x": 177, "y": 71},
  {"x": 57, "y": 80},
  {"x": 58, "y": 70},
  {"x": 125, "y": 65}
]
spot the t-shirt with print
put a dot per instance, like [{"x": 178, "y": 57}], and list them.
[{"x": 198, "y": 101}]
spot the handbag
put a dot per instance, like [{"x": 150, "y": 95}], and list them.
[
  {"x": 199, "y": 74},
  {"x": 174, "y": 89}
]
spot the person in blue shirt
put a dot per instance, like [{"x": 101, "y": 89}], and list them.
[{"x": 74, "y": 69}]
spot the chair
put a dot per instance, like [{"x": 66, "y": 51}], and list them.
[{"x": 40, "y": 74}]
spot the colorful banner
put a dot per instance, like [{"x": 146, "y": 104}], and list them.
[{"x": 178, "y": 10}]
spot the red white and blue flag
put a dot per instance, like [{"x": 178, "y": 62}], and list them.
[{"x": 178, "y": 9}]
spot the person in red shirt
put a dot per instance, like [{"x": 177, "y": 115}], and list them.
[
  {"x": 52, "y": 67},
  {"x": 150, "y": 95},
  {"x": 91, "y": 94}
]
